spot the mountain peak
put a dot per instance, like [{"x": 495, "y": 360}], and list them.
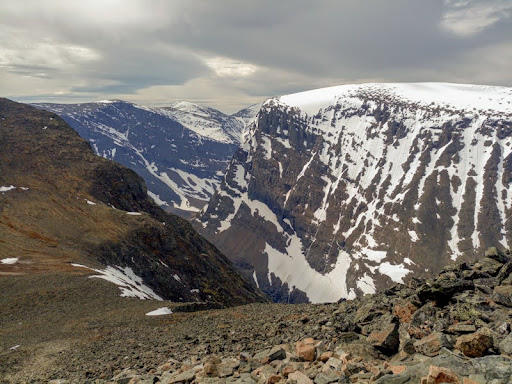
[{"x": 466, "y": 97}]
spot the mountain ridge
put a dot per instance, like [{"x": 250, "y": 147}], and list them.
[
  {"x": 364, "y": 184},
  {"x": 181, "y": 155},
  {"x": 66, "y": 211}
]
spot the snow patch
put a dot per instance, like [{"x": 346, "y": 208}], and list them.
[
  {"x": 156, "y": 198},
  {"x": 395, "y": 271},
  {"x": 160, "y": 312},
  {"x": 9, "y": 260},
  {"x": 255, "y": 279},
  {"x": 6, "y": 189},
  {"x": 130, "y": 284}
]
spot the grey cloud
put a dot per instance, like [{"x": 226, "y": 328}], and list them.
[{"x": 293, "y": 44}]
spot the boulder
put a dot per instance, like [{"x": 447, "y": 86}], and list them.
[
  {"x": 432, "y": 344},
  {"x": 328, "y": 377},
  {"x": 488, "y": 266},
  {"x": 505, "y": 345},
  {"x": 298, "y": 378},
  {"x": 305, "y": 351},
  {"x": 438, "y": 375},
  {"x": 442, "y": 291},
  {"x": 387, "y": 340},
  {"x": 505, "y": 272},
  {"x": 495, "y": 254},
  {"x": 475, "y": 344},
  {"x": 503, "y": 295}
]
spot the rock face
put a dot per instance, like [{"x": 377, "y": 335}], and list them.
[
  {"x": 343, "y": 191},
  {"x": 64, "y": 210},
  {"x": 182, "y": 151}
]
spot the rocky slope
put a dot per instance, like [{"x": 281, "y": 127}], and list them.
[
  {"x": 454, "y": 328},
  {"x": 344, "y": 191},
  {"x": 66, "y": 211},
  {"x": 181, "y": 151}
]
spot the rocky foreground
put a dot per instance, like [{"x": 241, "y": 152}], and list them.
[{"x": 452, "y": 329}]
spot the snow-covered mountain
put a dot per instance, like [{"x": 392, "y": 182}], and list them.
[
  {"x": 182, "y": 150},
  {"x": 346, "y": 190}
]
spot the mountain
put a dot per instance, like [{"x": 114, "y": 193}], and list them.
[
  {"x": 342, "y": 191},
  {"x": 67, "y": 214},
  {"x": 181, "y": 151}
]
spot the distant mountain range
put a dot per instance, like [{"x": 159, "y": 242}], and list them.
[
  {"x": 343, "y": 191},
  {"x": 67, "y": 214},
  {"x": 181, "y": 151}
]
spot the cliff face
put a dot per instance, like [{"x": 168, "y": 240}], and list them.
[
  {"x": 343, "y": 191},
  {"x": 64, "y": 210}
]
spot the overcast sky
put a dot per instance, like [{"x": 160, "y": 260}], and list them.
[{"x": 231, "y": 53}]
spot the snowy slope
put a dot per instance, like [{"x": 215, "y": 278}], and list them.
[
  {"x": 181, "y": 151},
  {"x": 353, "y": 188}
]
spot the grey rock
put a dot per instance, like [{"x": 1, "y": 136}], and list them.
[{"x": 505, "y": 345}]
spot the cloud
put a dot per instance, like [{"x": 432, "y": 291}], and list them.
[
  {"x": 225, "y": 67},
  {"x": 469, "y": 17},
  {"x": 231, "y": 53}
]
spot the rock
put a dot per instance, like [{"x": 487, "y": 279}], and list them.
[
  {"x": 461, "y": 328},
  {"x": 505, "y": 272},
  {"x": 325, "y": 356},
  {"x": 488, "y": 265},
  {"x": 305, "y": 351},
  {"x": 404, "y": 311},
  {"x": 268, "y": 355},
  {"x": 397, "y": 369},
  {"x": 475, "y": 344},
  {"x": 386, "y": 340},
  {"x": 273, "y": 379},
  {"x": 327, "y": 377},
  {"x": 298, "y": 378},
  {"x": 442, "y": 291},
  {"x": 495, "y": 254},
  {"x": 210, "y": 369},
  {"x": 333, "y": 364},
  {"x": 263, "y": 373},
  {"x": 287, "y": 370},
  {"x": 505, "y": 345},
  {"x": 494, "y": 368},
  {"x": 227, "y": 367},
  {"x": 432, "y": 344},
  {"x": 128, "y": 379},
  {"x": 347, "y": 337},
  {"x": 184, "y": 377},
  {"x": 503, "y": 295},
  {"x": 438, "y": 375}
]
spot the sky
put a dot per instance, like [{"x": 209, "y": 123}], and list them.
[{"x": 229, "y": 54}]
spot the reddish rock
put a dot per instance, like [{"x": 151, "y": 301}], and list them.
[
  {"x": 287, "y": 370},
  {"x": 305, "y": 351},
  {"x": 475, "y": 344},
  {"x": 273, "y": 379},
  {"x": 438, "y": 375},
  {"x": 397, "y": 369},
  {"x": 325, "y": 356},
  {"x": 404, "y": 311}
]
